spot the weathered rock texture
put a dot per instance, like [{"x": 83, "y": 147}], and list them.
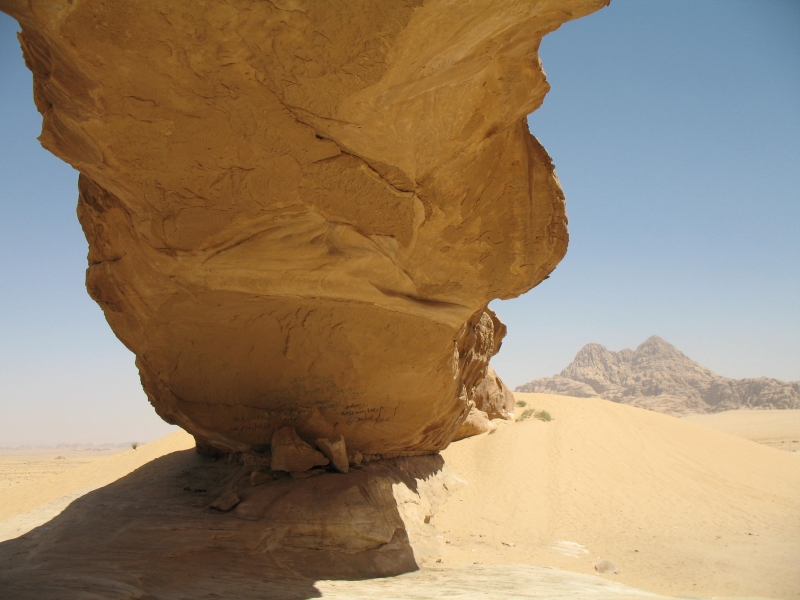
[
  {"x": 298, "y": 211},
  {"x": 659, "y": 377},
  {"x": 371, "y": 522},
  {"x": 493, "y": 397}
]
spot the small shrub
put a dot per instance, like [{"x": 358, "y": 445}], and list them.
[
  {"x": 543, "y": 415},
  {"x": 527, "y": 414},
  {"x": 134, "y": 445},
  {"x": 522, "y": 403}
]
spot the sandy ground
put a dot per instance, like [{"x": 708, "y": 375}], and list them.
[
  {"x": 34, "y": 487},
  {"x": 25, "y": 466},
  {"x": 775, "y": 428},
  {"x": 681, "y": 509}
]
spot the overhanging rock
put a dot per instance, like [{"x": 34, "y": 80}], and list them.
[{"x": 298, "y": 211}]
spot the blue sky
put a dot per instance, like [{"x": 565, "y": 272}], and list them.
[{"x": 675, "y": 130}]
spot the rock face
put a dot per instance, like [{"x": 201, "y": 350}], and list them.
[
  {"x": 297, "y": 212},
  {"x": 659, "y": 377}
]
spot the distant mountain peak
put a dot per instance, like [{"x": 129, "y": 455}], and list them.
[{"x": 660, "y": 377}]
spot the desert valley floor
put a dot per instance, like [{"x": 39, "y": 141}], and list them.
[{"x": 683, "y": 507}]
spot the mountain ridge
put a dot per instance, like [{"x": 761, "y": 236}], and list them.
[{"x": 659, "y": 377}]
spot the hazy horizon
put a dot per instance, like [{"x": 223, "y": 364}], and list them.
[{"x": 675, "y": 131}]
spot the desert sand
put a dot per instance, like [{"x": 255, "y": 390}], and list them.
[
  {"x": 776, "y": 428},
  {"x": 34, "y": 487},
  {"x": 24, "y": 465},
  {"x": 679, "y": 508}
]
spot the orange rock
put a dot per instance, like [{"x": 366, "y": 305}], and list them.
[
  {"x": 476, "y": 423},
  {"x": 493, "y": 397},
  {"x": 297, "y": 218}
]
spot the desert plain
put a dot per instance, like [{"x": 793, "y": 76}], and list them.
[{"x": 681, "y": 508}]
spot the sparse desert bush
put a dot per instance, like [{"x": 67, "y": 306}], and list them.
[
  {"x": 522, "y": 403},
  {"x": 134, "y": 445},
  {"x": 527, "y": 414},
  {"x": 542, "y": 415}
]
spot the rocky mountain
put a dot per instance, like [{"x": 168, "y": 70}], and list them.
[{"x": 659, "y": 377}]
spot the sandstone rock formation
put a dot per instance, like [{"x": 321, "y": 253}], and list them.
[
  {"x": 335, "y": 450},
  {"x": 493, "y": 400},
  {"x": 493, "y": 397},
  {"x": 659, "y": 377},
  {"x": 290, "y": 453},
  {"x": 297, "y": 212},
  {"x": 476, "y": 423}
]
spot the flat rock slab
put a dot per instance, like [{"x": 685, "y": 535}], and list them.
[{"x": 495, "y": 582}]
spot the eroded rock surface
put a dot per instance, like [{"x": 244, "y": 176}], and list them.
[
  {"x": 494, "y": 398},
  {"x": 297, "y": 212}
]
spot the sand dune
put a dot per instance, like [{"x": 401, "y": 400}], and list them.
[
  {"x": 681, "y": 509},
  {"x": 776, "y": 428}
]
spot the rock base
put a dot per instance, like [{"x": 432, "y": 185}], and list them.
[{"x": 153, "y": 533}]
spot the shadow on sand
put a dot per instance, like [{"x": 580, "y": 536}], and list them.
[{"x": 152, "y": 535}]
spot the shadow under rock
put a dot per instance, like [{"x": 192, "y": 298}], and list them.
[{"x": 152, "y": 535}]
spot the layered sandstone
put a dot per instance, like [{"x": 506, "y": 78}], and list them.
[
  {"x": 297, "y": 212},
  {"x": 660, "y": 377}
]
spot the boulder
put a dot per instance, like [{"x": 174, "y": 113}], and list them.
[
  {"x": 493, "y": 397},
  {"x": 298, "y": 217},
  {"x": 290, "y": 453},
  {"x": 260, "y": 477},
  {"x": 227, "y": 501},
  {"x": 335, "y": 450},
  {"x": 476, "y": 423},
  {"x": 355, "y": 458}
]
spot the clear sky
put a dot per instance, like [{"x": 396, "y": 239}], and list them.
[{"x": 675, "y": 130}]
